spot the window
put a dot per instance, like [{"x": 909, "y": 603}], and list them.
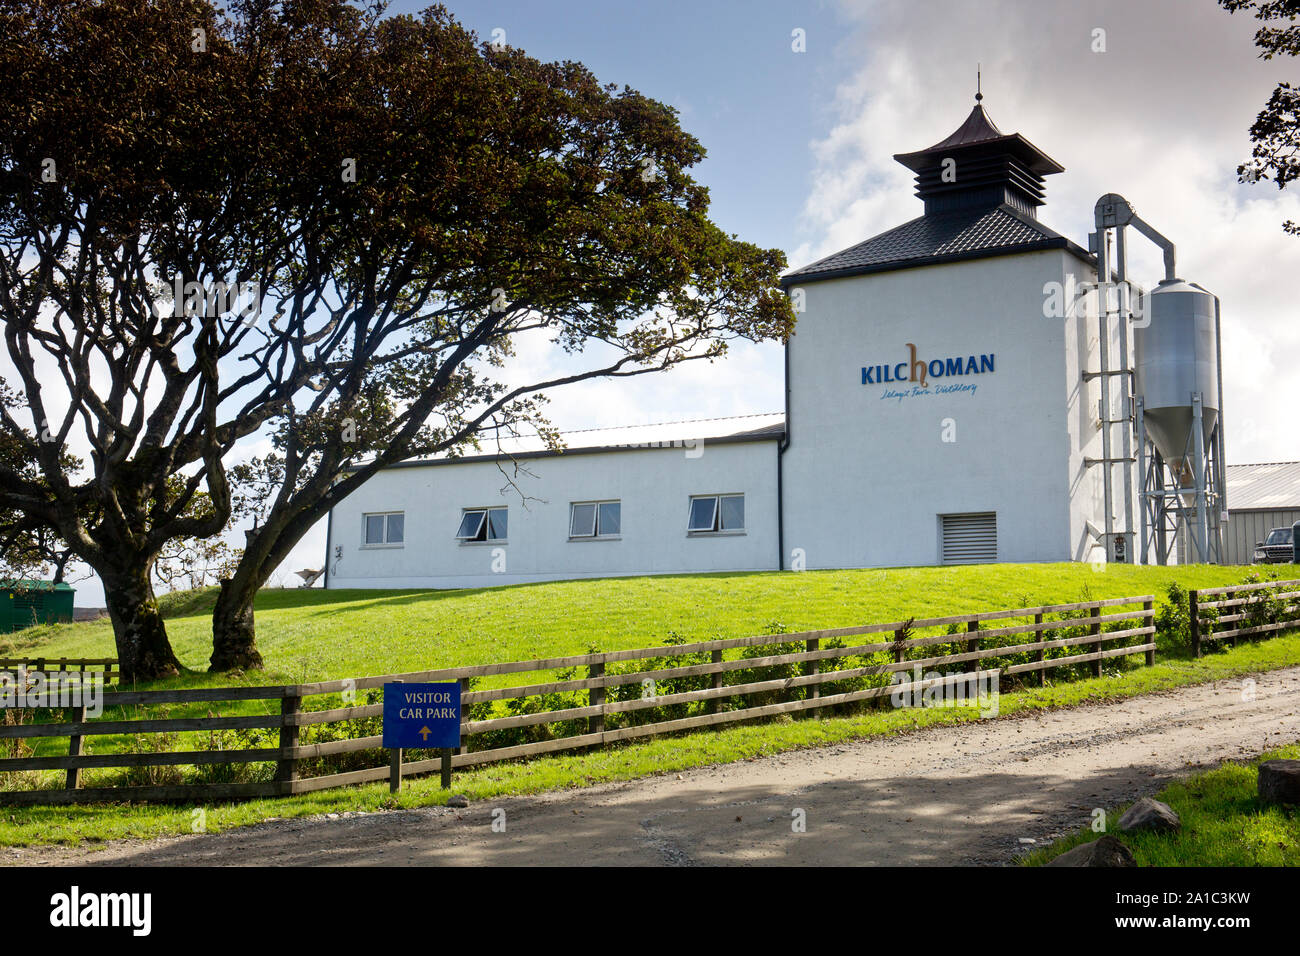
[
  {"x": 483, "y": 524},
  {"x": 385, "y": 529},
  {"x": 595, "y": 519},
  {"x": 715, "y": 513}
]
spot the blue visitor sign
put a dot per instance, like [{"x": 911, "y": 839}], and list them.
[{"x": 421, "y": 716}]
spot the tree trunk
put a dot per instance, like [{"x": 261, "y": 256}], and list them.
[
  {"x": 233, "y": 632},
  {"x": 143, "y": 651}
]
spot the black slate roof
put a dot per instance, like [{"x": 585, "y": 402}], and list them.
[
  {"x": 949, "y": 237},
  {"x": 979, "y": 130}
]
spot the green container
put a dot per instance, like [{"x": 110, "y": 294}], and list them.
[{"x": 27, "y": 603}]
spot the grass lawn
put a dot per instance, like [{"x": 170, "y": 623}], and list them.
[
  {"x": 316, "y": 635},
  {"x": 1223, "y": 823},
  {"x": 307, "y": 635}
]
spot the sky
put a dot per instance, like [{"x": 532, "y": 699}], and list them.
[{"x": 1151, "y": 99}]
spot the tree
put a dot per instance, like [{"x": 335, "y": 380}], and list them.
[
  {"x": 1276, "y": 130},
  {"x": 124, "y": 172},
  {"x": 403, "y": 203},
  {"x": 546, "y": 203},
  {"x": 28, "y": 549}
]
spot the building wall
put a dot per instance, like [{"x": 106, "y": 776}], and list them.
[
  {"x": 654, "y": 486},
  {"x": 1246, "y": 528},
  {"x": 867, "y": 474}
]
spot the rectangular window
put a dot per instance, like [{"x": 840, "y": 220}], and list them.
[
  {"x": 704, "y": 514},
  {"x": 732, "y": 517},
  {"x": 714, "y": 513},
  {"x": 385, "y": 528},
  {"x": 582, "y": 522},
  {"x": 610, "y": 518},
  {"x": 595, "y": 519},
  {"x": 483, "y": 524}
]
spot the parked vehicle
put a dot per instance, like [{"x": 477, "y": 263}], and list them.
[{"x": 1275, "y": 549}]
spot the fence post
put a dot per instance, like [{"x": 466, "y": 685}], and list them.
[
  {"x": 812, "y": 668},
  {"x": 74, "y": 749},
  {"x": 464, "y": 689},
  {"x": 900, "y": 655},
  {"x": 1149, "y": 620},
  {"x": 395, "y": 769},
  {"x": 972, "y": 645},
  {"x": 286, "y": 768},
  {"x": 596, "y": 698},
  {"x": 1196, "y": 624},
  {"x": 395, "y": 761},
  {"x": 1040, "y": 656},
  {"x": 1243, "y": 609},
  {"x": 1096, "y": 645},
  {"x": 714, "y": 702}
]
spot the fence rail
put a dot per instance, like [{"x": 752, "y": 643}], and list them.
[
  {"x": 1266, "y": 608},
  {"x": 102, "y": 667},
  {"x": 815, "y": 677}
]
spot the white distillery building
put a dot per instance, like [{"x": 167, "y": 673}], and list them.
[{"x": 935, "y": 414}]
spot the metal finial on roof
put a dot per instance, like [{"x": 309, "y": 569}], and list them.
[{"x": 979, "y": 95}]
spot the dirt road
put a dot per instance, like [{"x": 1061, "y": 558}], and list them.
[{"x": 953, "y": 795}]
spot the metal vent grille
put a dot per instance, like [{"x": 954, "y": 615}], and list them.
[{"x": 969, "y": 538}]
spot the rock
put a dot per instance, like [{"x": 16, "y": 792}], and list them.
[
  {"x": 1104, "y": 852},
  {"x": 458, "y": 800},
  {"x": 1279, "y": 781},
  {"x": 1149, "y": 814}
]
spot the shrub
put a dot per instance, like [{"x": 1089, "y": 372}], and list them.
[
  {"x": 655, "y": 688},
  {"x": 850, "y": 684},
  {"x": 1261, "y": 607},
  {"x": 255, "y": 738},
  {"x": 159, "y": 775},
  {"x": 18, "y": 748},
  {"x": 352, "y": 729}
]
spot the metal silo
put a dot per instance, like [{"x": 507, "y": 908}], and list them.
[
  {"x": 1178, "y": 380},
  {"x": 1176, "y": 358}
]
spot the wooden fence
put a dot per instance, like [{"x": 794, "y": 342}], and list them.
[
  {"x": 814, "y": 671},
  {"x": 95, "y": 667},
  {"x": 1251, "y": 610}
]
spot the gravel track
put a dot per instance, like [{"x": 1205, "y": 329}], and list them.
[{"x": 970, "y": 794}]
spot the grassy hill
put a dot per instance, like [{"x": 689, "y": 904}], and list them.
[{"x": 318, "y": 635}]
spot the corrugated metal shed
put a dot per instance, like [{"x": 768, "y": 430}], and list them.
[
  {"x": 1260, "y": 498},
  {"x": 1267, "y": 486},
  {"x": 28, "y": 603}
]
